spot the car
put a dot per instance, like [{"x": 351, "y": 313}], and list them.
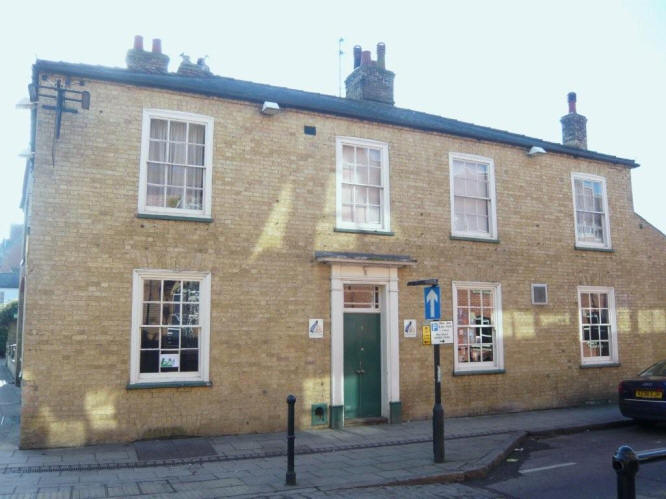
[{"x": 644, "y": 398}]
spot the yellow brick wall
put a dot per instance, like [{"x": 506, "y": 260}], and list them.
[{"x": 273, "y": 205}]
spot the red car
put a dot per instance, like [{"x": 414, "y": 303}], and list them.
[{"x": 643, "y": 398}]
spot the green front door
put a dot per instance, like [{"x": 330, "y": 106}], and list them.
[{"x": 363, "y": 381}]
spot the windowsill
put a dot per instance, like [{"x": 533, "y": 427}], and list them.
[
  {"x": 364, "y": 231},
  {"x": 601, "y": 364},
  {"x": 480, "y": 371},
  {"x": 593, "y": 248},
  {"x": 472, "y": 238},
  {"x": 169, "y": 384},
  {"x": 159, "y": 216}
]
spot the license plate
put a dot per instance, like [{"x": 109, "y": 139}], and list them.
[{"x": 648, "y": 394}]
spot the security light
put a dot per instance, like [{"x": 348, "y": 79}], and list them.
[
  {"x": 536, "y": 150},
  {"x": 270, "y": 108}
]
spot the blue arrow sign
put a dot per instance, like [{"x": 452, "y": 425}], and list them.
[{"x": 432, "y": 301}]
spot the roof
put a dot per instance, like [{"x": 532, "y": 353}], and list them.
[
  {"x": 230, "y": 88},
  {"x": 9, "y": 280}
]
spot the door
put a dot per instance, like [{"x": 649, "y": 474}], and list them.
[{"x": 362, "y": 365}]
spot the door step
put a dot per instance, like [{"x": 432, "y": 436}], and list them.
[{"x": 365, "y": 421}]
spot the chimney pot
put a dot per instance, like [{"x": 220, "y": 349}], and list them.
[
  {"x": 157, "y": 46},
  {"x": 381, "y": 55},
  {"x": 574, "y": 126},
  {"x": 571, "y": 98},
  {"x": 138, "y": 42},
  {"x": 366, "y": 58},
  {"x": 357, "y": 56}
]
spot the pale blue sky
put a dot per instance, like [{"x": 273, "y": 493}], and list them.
[{"x": 507, "y": 65}]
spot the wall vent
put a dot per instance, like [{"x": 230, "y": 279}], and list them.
[{"x": 539, "y": 294}]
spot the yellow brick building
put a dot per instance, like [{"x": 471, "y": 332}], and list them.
[{"x": 199, "y": 247}]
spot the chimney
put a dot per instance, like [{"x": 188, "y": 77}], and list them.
[
  {"x": 142, "y": 61},
  {"x": 370, "y": 80},
  {"x": 198, "y": 70},
  {"x": 574, "y": 126}
]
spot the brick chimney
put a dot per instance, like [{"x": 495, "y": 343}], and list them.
[
  {"x": 142, "y": 61},
  {"x": 574, "y": 126},
  {"x": 370, "y": 79},
  {"x": 198, "y": 70}
]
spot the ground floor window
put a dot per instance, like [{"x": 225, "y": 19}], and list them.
[
  {"x": 477, "y": 326},
  {"x": 170, "y": 327},
  {"x": 598, "y": 331}
]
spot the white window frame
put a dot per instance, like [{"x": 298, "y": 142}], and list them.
[
  {"x": 492, "y": 211},
  {"x": 199, "y": 119},
  {"x": 202, "y": 375},
  {"x": 498, "y": 358},
  {"x": 385, "y": 210},
  {"x": 613, "y": 348},
  {"x": 606, "y": 244}
]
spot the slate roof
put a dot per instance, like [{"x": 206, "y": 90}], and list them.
[
  {"x": 230, "y": 88},
  {"x": 9, "y": 280}
]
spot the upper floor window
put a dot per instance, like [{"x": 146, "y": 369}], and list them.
[
  {"x": 176, "y": 158},
  {"x": 477, "y": 324},
  {"x": 591, "y": 211},
  {"x": 598, "y": 330},
  {"x": 472, "y": 196},
  {"x": 363, "y": 196}
]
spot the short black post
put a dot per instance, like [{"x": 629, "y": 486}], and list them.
[
  {"x": 291, "y": 474},
  {"x": 438, "y": 413},
  {"x": 625, "y": 464}
]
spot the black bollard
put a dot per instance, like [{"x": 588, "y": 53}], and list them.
[
  {"x": 625, "y": 464},
  {"x": 291, "y": 474}
]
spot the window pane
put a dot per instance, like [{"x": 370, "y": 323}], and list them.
[
  {"x": 594, "y": 300},
  {"x": 348, "y": 154},
  {"x": 359, "y": 214},
  {"x": 605, "y": 350},
  {"x": 194, "y": 199},
  {"x": 177, "y": 131},
  {"x": 459, "y": 222},
  {"x": 172, "y": 291},
  {"x": 174, "y": 197},
  {"x": 170, "y": 337},
  {"x": 347, "y": 213},
  {"x": 189, "y": 337},
  {"x": 361, "y": 156},
  {"x": 361, "y": 195},
  {"x": 155, "y": 196},
  {"x": 347, "y": 174},
  {"x": 157, "y": 151},
  {"x": 195, "y": 177},
  {"x": 150, "y": 337},
  {"x": 374, "y": 176},
  {"x": 603, "y": 300},
  {"x": 189, "y": 360},
  {"x": 347, "y": 194},
  {"x": 375, "y": 157},
  {"x": 158, "y": 129},
  {"x": 149, "y": 362},
  {"x": 459, "y": 186},
  {"x": 195, "y": 155},
  {"x": 177, "y": 153},
  {"x": 155, "y": 173},
  {"x": 197, "y": 134},
  {"x": 190, "y": 291},
  {"x": 374, "y": 196},
  {"x": 603, "y": 332},
  {"x": 462, "y": 297},
  {"x": 191, "y": 314},
  {"x": 361, "y": 175},
  {"x": 176, "y": 175},
  {"x": 151, "y": 314},
  {"x": 151, "y": 290},
  {"x": 584, "y": 299},
  {"x": 373, "y": 214}
]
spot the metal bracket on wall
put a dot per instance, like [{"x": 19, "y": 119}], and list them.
[{"x": 61, "y": 95}]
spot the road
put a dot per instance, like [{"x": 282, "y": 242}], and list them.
[{"x": 576, "y": 466}]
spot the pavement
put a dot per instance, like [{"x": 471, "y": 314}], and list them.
[{"x": 357, "y": 461}]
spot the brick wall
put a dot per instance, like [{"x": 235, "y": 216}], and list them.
[{"x": 273, "y": 206}]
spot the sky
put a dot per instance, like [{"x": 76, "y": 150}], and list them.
[{"x": 507, "y": 65}]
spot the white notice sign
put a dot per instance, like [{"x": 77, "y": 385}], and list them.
[
  {"x": 316, "y": 328},
  {"x": 446, "y": 328},
  {"x": 409, "y": 328},
  {"x": 169, "y": 360}
]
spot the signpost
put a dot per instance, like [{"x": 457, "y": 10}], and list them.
[{"x": 432, "y": 307}]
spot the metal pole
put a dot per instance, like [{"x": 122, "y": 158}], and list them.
[
  {"x": 291, "y": 474},
  {"x": 438, "y": 413},
  {"x": 625, "y": 464}
]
